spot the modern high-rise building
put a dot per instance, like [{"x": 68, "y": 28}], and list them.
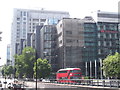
[
  {"x": 70, "y": 42},
  {"x": 48, "y": 45},
  {"x": 90, "y": 46},
  {"x": 24, "y": 25},
  {"x": 77, "y": 42},
  {"x": 108, "y": 33}
]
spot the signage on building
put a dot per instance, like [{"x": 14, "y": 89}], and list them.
[{"x": 108, "y": 31}]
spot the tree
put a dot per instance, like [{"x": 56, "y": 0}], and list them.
[
  {"x": 24, "y": 63},
  {"x": 43, "y": 68},
  {"x": 7, "y": 70},
  {"x": 111, "y": 66}
]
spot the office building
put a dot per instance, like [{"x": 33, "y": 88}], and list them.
[
  {"x": 70, "y": 42},
  {"x": 48, "y": 45},
  {"x": 108, "y": 33},
  {"x": 90, "y": 46},
  {"x": 24, "y": 25}
]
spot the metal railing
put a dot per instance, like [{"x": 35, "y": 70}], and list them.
[{"x": 89, "y": 82}]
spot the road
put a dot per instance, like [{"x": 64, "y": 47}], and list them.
[
  {"x": 32, "y": 84},
  {"x": 46, "y": 85},
  {"x": 55, "y": 86}
]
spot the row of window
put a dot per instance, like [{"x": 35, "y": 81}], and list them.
[
  {"x": 107, "y": 43},
  {"x": 108, "y": 27},
  {"x": 73, "y": 41},
  {"x": 108, "y": 35},
  {"x": 101, "y": 51}
]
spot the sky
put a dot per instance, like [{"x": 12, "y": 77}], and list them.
[{"x": 76, "y": 9}]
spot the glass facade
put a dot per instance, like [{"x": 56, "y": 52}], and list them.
[
  {"x": 90, "y": 40},
  {"x": 49, "y": 45},
  {"x": 108, "y": 39}
]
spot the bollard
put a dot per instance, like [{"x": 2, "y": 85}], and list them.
[
  {"x": 117, "y": 84},
  {"x": 103, "y": 83},
  {"x": 110, "y": 84}
]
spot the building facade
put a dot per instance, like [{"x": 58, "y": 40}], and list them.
[
  {"x": 70, "y": 42},
  {"x": 90, "y": 46},
  {"x": 108, "y": 34},
  {"x": 24, "y": 25},
  {"x": 48, "y": 45}
]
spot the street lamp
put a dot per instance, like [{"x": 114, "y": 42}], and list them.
[
  {"x": 90, "y": 69},
  {"x": 86, "y": 69},
  {"x": 86, "y": 63}
]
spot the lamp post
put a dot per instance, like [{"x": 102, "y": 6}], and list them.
[
  {"x": 86, "y": 63},
  {"x": 86, "y": 68},
  {"x": 90, "y": 69},
  {"x": 36, "y": 73}
]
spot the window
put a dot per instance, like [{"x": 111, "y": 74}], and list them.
[
  {"x": 104, "y": 35},
  {"x": 47, "y": 36},
  {"x": 62, "y": 72},
  {"x": 48, "y": 44},
  {"x": 98, "y": 35},
  {"x": 104, "y": 43},
  {"x": 110, "y": 43},
  {"x": 99, "y": 43},
  {"x": 68, "y": 32},
  {"x": 75, "y": 71},
  {"x": 24, "y": 23},
  {"x": 110, "y": 35},
  {"x": 99, "y": 51},
  {"x": 24, "y": 18},
  {"x": 68, "y": 40},
  {"x": 73, "y": 77},
  {"x": 115, "y": 36},
  {"x": 18, "y": 19},
  {"x": 24, "y": 13},
  {"x": 18, "y": 22},
  {"x": 42, "y": 20}
]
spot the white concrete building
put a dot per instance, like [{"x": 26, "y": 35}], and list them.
[{"x": 25, "y": 21}]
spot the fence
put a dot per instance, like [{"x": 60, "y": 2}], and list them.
[{"x": 90, "y": 82}]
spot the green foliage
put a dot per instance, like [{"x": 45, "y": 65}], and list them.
[
  {"x": 7, "y": 70},
  {"x": 111, "y": 66},
  {"x": 86, "y": 77},
  {"x": 24, "y": 63},
  {"x": 43, "y": 68}
]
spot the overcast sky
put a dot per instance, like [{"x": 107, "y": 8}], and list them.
[{"x": 76, "y": 8}]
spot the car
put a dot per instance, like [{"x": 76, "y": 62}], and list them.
[
  {"x": 14, "y": 86},
  {"x": 0, "y": 84},
  {"x": 45, "y": 80},
  {"x": 10, "y": 85}
]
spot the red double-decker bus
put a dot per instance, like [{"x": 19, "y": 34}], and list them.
[{"x": 64, "y": 75}]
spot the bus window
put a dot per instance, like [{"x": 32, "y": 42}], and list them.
[
  {"x": 62, "y": 72},
  {"x": 75, "y": 71},
  {"x": 75, "y": 77}
]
